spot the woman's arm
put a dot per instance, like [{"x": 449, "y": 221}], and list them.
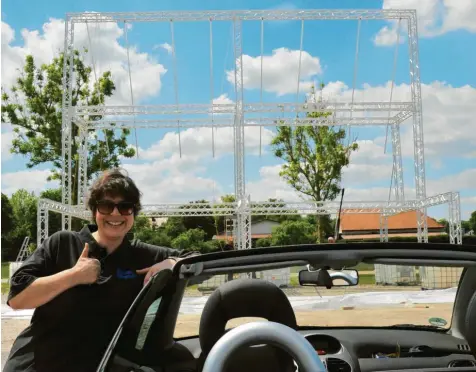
[{"x": 31, "y": 287}]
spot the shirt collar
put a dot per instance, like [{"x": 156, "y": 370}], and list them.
[{"x": 98, "y": 251}]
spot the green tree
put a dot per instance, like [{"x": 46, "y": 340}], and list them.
[
  {"x": 7, "y": 216},
  {"x": 466, "y": 226},
  {"x": 276, "y": 217},
  {"x": 54, "y": 218},
  {"x": 293, "y": 232},
  {"x": 190, "y": 240},
  {"x": 209, "y": 224},
  {"x": 263, "y": 242},
  {"x": 24, "y": 206},
  {"x": 141, "y": 223},
  {"x": 314, "y": 157},
  {"x": 472, "y": 222},
  {"x": 34, "y": 107},
  {"x": 8, "y": 225},
  {"x": 327, "y": 224},
  {"x": 173, "y": 227},
  {"x": 155, "y": 237},
  {"x": 220, "y": 221}
]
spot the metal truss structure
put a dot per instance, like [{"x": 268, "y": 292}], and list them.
[
  {"x": 243, "y": 114},
  {"x": 266, "y": 208}
]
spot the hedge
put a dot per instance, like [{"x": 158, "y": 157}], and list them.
[{"x": 469, "y": 239}]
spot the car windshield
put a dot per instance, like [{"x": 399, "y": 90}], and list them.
[{"x": 386, "y": 295}]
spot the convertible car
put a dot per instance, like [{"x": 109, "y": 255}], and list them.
[{"x": 333, "y": 307}]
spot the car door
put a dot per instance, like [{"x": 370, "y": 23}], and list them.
[{"x": 124, "y": 351}]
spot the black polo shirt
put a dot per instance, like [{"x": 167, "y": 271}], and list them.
[{"x": 71, "y": 332}]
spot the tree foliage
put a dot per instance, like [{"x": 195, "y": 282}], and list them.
[
  {"x": 24, "y": 211},
  {"x": 314, "y": 156},
  {"x": 472, "y": 222},
  {"x": 7, "y": 216},
  {"x": 34, "y": 107},
  {"x": 294, "y": 232},
  {"x": 54, "y": 219}
]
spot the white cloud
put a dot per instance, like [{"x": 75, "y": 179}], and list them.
[
  {"x": 272, "y": 186},
  {"x": 173, "y": 179},
  {"x": 31, "y": 180},
  {"x": 435, "y": 17},
  {"x": 165, "y": 177},
  {"x": 197, "y": 142},
  {"x": 368, "y": 165},
  {"x": 388, "y": 36},
  {"x": 165, "y": 46},
  {"x": 463, "y": 181},
  {"x": 107, "y": 48},
  {"x": 7, "y": 138},
  {"x": 280, "y": 71},
  {"x": 469, "y": 200},
  {"x": 221, "y": 100},
  {"x": 449, "y": 115}
]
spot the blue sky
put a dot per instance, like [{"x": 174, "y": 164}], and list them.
[{"x": 449, "y": 91}]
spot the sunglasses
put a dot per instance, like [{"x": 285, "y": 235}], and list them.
[{"x": 107, "y": 207}]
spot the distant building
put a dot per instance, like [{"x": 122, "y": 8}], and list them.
[
  {"x": 259, "y": 230},
  {"x": 367, "y": 225},
  {"x": 157, "y": 221}
]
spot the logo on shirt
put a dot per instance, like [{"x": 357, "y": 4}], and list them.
[{"x": 125, "y": 274}]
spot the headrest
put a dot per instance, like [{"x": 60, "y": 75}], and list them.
[
  {"x": 243, "y": 298},
  {"x": 470, "y": 324}
]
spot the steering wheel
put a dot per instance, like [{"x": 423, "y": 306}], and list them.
[{"x": 257, "y": 333}]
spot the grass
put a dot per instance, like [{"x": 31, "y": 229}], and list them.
[
  {"x": 5, "y": 288},
  {"x": 366, "y": 279},
  {"x": 5, "y": 270},
  {"x": 364, "y": 267}
]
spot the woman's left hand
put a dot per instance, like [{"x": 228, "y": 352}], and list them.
[{"x": 150, "y": 271}]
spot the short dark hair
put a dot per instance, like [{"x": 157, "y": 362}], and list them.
[{"x": 114, "y": 183}]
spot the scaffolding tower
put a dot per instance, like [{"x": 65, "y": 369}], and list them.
[{"x": 242, "y": 114}]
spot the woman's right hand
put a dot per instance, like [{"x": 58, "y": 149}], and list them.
[{"x": 86, "y": 270}]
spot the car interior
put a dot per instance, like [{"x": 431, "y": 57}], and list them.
[{"x": 275, "y": 345}]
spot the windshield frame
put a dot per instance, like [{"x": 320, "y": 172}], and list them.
[{"x": 335, "y": 256}]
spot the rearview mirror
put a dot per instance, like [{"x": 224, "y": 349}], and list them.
[{"x": 329, "y": 278}]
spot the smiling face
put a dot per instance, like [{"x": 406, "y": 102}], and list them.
[{"x": 114, "y": 218}]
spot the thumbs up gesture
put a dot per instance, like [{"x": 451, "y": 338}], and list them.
[{"x": 86, "y": 270}]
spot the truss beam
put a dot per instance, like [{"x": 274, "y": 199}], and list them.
[
  {"x": 241, "y": 114},
  {"x": 243, "y": 231},
  {"x": 66, "y": 125},
  {"x": 235, "y": 209},
  {"x": 229, "y": 108},
  {"x": 229, "y": 123},
  {"x": 418, "y": 144},
  {"x": 243, "y": 15},
  {"x": 456, "y": 233},
  {"x": 398, "y": 186},
  {"x": 273, "y": 208}
]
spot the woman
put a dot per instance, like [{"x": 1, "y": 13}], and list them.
[{"x": 82, "y": 283}]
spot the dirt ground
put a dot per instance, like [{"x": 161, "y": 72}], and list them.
[{"x": 188, "y": 324}]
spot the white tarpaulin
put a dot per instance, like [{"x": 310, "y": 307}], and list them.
[{"x": 194, "y": 305}]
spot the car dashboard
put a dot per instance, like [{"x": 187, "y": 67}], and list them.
[
  {"x": 369, "y": 350},
  {"x": 381, "y": 349}
]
